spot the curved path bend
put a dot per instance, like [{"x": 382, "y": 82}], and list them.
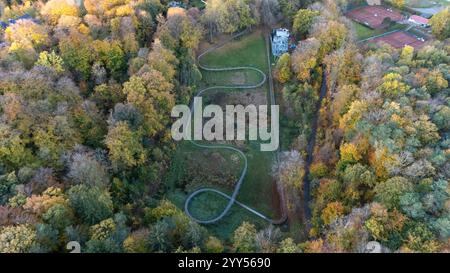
[{"x": 231, "y": 198}]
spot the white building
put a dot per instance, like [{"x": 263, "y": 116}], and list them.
[{"x": 280, "y": 41}]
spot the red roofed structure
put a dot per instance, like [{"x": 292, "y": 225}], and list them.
[{"x": 419, "y": 20}]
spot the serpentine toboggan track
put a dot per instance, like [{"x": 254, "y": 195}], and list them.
[{"x": 231, "y": 199}]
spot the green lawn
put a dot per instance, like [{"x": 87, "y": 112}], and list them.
[
  {"x": 257, "y": 188},
  {"x": 364, "y": 32},
  {"x": 245, "y": 51}
]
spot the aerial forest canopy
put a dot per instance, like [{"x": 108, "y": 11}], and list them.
[{"x": 86, "y": 153}]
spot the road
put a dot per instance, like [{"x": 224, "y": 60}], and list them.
[{"x": 231, "y": 199}]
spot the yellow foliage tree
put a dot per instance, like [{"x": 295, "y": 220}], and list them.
[
  {"x": 137, "y": 241},
  {"x": 315, "y": 246},
  {"x": 393, "y": 85},
  {"x": 349, "y": 153},
  {"x": 54, "y": 9},
  {"x": 26, "y": 34},
  {"x": 354, "y": 114},
  {"x": 39, "y": 204},
  {"x": 304, "y": 58},
  {"x": 379, "y": 159},
  {"x": 17, "y": 239},
  {"x": 440, "y": 24},
  {"x": 331, "y": 212},
  {"x": 407, "y": 55},
  {"x": 103, "y": 230},
  {"x": 283, "y": 68},
  {"x": 398, "y": 3}
]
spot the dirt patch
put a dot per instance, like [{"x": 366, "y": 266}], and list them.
[{"x": 246, "y": 98}]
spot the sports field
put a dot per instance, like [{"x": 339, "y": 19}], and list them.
[{"x": 374, "y": 16}]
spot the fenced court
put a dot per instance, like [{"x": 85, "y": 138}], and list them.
[
  {"x": 373, "y": 16},
  {"x": 399, "y": 39}
]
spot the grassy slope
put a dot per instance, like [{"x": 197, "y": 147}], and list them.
[{"x": 257, "y": 188}]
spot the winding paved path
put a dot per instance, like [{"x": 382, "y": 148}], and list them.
[{"x": 231, "y": 199}]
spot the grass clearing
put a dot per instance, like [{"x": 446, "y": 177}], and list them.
[
  {"x": 364, "y": 32},
  {"x": 198, "y": 4},
  {"x": 257, "y": 191},
  {"x": 247, "y": 50}
]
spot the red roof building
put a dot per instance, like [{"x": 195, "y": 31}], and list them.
[{"x": 419, "y": 20}]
